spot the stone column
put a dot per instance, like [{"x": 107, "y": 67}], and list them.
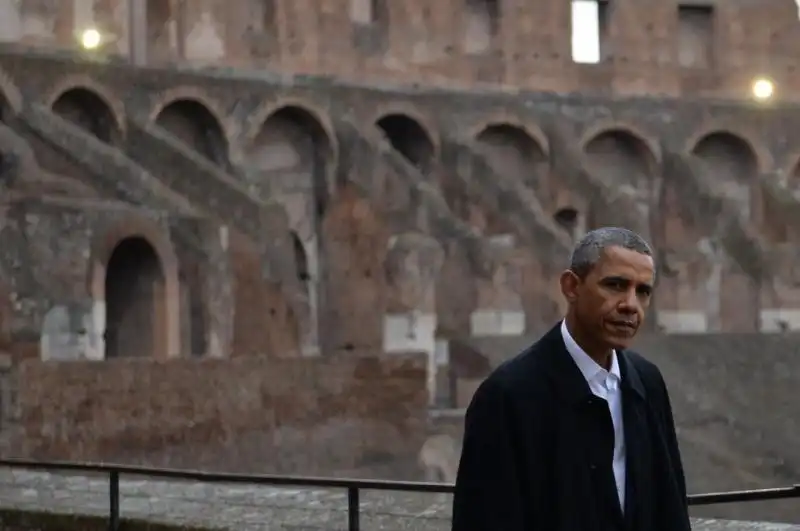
[
  {"x": 412, "y": 266},
  {"x": 500, "y": 310}
]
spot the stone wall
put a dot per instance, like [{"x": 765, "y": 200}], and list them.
[
  {"x": 647, "y": 47},
  {"x": 304, "y": 416}
]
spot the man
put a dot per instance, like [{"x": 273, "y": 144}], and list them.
[{"x": 576, "y": 433}]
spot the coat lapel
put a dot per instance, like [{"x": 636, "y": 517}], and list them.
[{"x": 637, "y": 440}]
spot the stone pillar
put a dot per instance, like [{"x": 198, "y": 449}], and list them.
[
  {"x": 412, "y": 266},
  {"x": 500, "y": 310},
  {"x": 219, "y": 291}
]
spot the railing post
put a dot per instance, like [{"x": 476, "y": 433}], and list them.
[
  {"x": 353, "y": 509},
  {"x": 113, "y": 501}
]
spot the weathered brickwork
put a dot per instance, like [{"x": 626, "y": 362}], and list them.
[
  {"x": 287, "y": 189},
  {"x": 515, "y": 43},
  {"x": 250, "y": 415}
]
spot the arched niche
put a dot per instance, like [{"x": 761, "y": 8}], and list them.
[
  {"x": 512, "y": 153},
  {"x": 623, "y": 157},
  {"x": 732, "y": 164},
  {"x": 410, "y": 139},
  {"x": 89, "y": 111},
  {"x": 127, "y": 254},
  {"x": 729, "y": 155},
  {"x": 135, "y": 294},
  {"x": 512, "y": 150},
  {"x": 293, "y": 143},
  {"x": 191, "y": 122}
]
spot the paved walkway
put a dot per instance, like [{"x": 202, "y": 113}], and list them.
[{"x": 248, "y": 507}]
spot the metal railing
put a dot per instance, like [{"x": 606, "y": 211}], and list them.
[{"x": 353, "y": 487}]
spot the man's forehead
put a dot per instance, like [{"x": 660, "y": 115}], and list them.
[{"x": 625, "y": 262}]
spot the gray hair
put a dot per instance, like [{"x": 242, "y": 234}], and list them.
[{"x": 590, "y": 248}]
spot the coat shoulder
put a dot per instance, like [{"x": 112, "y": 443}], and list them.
[{"x": 647, "y": 370}]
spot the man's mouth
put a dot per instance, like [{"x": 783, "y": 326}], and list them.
[{"x": 627, "y": 326}]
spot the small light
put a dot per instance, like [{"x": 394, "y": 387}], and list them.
[
  {"x": 91, "y": 39},
  {"x": 763, "y": 89}
]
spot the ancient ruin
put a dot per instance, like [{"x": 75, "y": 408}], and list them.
[{"x": 299, "y": 204}]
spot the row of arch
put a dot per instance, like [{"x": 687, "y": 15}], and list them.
[{"x": 200, "y": 121}]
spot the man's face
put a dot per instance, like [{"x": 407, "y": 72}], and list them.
[{"x": 610, "y": 302}]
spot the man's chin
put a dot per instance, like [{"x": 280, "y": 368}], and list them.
[{"x": 620, "y": 341}]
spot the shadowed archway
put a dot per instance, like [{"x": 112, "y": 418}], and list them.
[
  {"x": 87, "y": 110},
  {"x": 410, "y": 139},
  {"x": 191, "y": 122},
  {"x": 135, "y": 301}
]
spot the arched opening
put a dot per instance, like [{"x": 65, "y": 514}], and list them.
[
  {"x": 621, "y": 158},
  {"x": 514, "y": 152},
  {"x": 731, "y": 164},
  {"x": 135, "y": 301},
  {"x": 85, "y": 109},
  {"x": 728, "y": 156},
  {"x": 193, "y": 124},
  {"x": 294, "y": 144},
  {"x": 410, "y": 139}
]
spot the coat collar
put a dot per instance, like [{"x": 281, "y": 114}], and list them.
[{"x": 569, "y": 381}]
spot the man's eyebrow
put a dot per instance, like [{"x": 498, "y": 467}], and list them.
[{"x": 626, "y": 280}]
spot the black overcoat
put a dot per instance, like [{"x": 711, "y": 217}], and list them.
[{"x": 538, "y": 446}]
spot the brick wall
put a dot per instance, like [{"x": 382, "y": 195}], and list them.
[{"x": 305, "y": 416}]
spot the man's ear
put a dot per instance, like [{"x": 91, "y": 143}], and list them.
[{"x": 569, "y": 285}]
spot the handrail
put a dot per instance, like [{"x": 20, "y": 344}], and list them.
[{"x": 353, "y": 486}]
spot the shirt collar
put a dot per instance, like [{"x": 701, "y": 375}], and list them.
[{"x": 588, "y": 367}]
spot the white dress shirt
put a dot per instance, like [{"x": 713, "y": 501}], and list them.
[{"x": 606, "y": 385}]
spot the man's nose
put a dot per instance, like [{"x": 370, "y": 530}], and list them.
[{"x": 630, "y": 302}]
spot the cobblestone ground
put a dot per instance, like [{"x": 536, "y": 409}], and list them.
[{"x": 248, "y": 507}]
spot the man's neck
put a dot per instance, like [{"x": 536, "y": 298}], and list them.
[{"x": 601, "y": 355}]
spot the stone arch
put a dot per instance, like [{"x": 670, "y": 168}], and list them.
[
  {"x": 192, "y": 122},
  {"x": 647, "y": 146},
  {"x": 513, "y": 153},
  {"x": 733, "y": 162},
  {"x": 294, "y": 139},
  {"x": 729, "y": 154},
  {"x": 623, "y": 151},
  {"x": 409, "y": 138},
  {"x": 88, "y": 110},
  {"x": 741, "y": 136},
  {"x": 629, "y": 165},
  {"x": 514, "y": 148},
  {"x": 83, "y": 82},
  {"x": 133, "y": 285},
  {"x": 135, "y": 261}
]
